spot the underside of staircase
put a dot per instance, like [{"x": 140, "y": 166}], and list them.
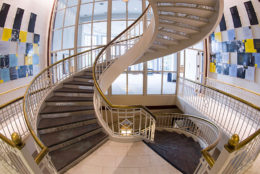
[
  {"x": 180, "y": 24},
  {"x": 68, "y": 125}
]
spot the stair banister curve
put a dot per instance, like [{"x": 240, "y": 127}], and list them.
[{"x": 146, "y": 119}]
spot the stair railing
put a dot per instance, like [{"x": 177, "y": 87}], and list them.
[
  {"x": 52, "y": 76},
  {"x": 202, "y": 130},
  {"x": 122, "y": 121},
  {"x": 15, "y": 156},
  {"x": 238, "y": 118},
  {"x": 248, "y": 95}
]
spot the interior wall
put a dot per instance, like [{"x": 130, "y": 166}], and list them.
[
  {"x": 42, "y": 8},
  {"x": 239, "y": 36}
]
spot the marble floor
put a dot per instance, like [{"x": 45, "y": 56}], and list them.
[{"x": 123, "y": 158}]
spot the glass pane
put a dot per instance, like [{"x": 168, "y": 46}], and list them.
[
  {"x": 199, "y": 45},
  {"x": 61, "y": 4},
  {"x": 86, "y": 1},
  {"x": 85, "y": 13},
  {"x": 99, "y": 33},
  {"x": 154, "y": 81},
  {"x": 135, "y": 83},
  {"x": 56, "y": 40},
  {"x": 118, "y": 10},
  {"x": 100, "y": 11},
  {"x": 134, "y": 9},
  {"x": 190, "y": 64},
  {"x": 154, "y": 65},
  {"x": 170, "y": 62},
  {"x": 182, "y": 58},
  {"x": 119, "y": 85},
  {"x": 59, "y": 19},
  {"x": 70, "y": 16},
  {"x": 137, "y": 67},
  {"x": 72, "y": 3},
  {"x": 84, "y": 35},
  {"x": 117, "y": 27},
  {"x": 68, "y": 37},
  {"x": 169, "y": 83}
]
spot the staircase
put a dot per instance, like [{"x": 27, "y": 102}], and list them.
[
  {"x": 180, "y": 24},
  {"x": 68, "y": 125},
  {"x": 69, "y": 113}
]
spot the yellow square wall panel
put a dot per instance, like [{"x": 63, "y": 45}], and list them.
[
  {"x": 249, "y": 46},
  {"x": 28, "y": 60},
  {"x": 1, "y": 81},
  {"x": 7, "y": 34},
  {"x": 212, "y": 68},
  {"x": 23, "y": 36},
  {"x": 218, "y": 37}
]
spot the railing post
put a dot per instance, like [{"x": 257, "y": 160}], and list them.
[
  {"x": 23, "y": 151},
  {"x": 222, "y": 164}
]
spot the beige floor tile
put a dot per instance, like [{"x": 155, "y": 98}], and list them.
[
  {"x": 110, "y": 170},
  {"x": 113, "y": 150},
  {"x": 102, "y": 160},
  {"x": 123, "y": 158},
  {"x": 84, "y": 169},
  {"x": 135, "y": 161},
  {"x": 156, "y": 160}
]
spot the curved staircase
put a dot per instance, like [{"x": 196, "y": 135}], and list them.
[
  {"x": 68, "y": 125},
  {"x": 180, "y": 24},
  {"x": 68, "y": 112}
]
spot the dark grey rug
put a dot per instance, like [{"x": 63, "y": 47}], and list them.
[{"x": 180, "y": 151}]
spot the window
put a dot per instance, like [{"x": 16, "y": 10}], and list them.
[{"x": 119, "y": 85}]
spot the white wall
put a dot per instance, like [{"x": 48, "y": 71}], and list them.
[
  {"x": 254, "y": 86},
  {"x": 42, "y": 8}
]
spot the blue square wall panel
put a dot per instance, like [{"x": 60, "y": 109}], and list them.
[
  {"x": 22, "y": 71},
  {"x": 13, "y": 60},
  {"x": 35, "y": 59},
  {"x": 5, "y": 74},
  {"x": 231, "y": 35},
  {"x": 13, "y": 73}
]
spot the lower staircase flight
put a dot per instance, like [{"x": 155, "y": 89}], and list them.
[{"x": 67, "y": 122}]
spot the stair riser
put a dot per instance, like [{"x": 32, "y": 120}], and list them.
[
  {"x": 67, "y": 114},
  {"x": 74, "y": 140},
  {"x": 83, "y": 156},
  {"x": 69, "y": 126},
  {"x": 83, "y": 80},
  {"x": 67, "y": 94},
  {"x": 69, "y": 103},
  {"x": 78, "y": 86}
]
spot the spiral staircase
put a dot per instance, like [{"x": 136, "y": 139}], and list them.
[{"x": 70, "y": 115}]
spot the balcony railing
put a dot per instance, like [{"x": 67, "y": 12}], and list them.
[
  {"x": 248, "y": 95},
  {"x": 238, "y": 118}
]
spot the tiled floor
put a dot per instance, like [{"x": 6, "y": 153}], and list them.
[{"x": 123, "y": 158}]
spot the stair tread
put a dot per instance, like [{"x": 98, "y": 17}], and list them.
[
  {"x": 64, "y": 156},
  {"x": 68, "y": 99},
  {"x": 74, "y": 90},
  {"x": 62, "y": 109},
  {"x": 84, "y": 76},
  {"x": 54, "y": 138},
  {"x": 74, "y": 82},
  {"x": 60, "y": 121}
]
